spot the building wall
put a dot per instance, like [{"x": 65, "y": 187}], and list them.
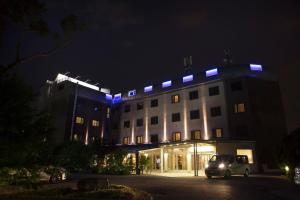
[{"x": 165, "y": 108}]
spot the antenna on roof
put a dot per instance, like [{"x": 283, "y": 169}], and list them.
[
  {"x": 87, "y": 80},
  {"x": 77, "y": 77},
  {"x": 227, "y": 60},
  {"x": 97, "y": 84},
  {"x": 67, "y": 73},
  {"x": 187, "y": 62}
]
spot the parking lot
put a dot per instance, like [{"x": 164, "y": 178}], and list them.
[{"x": 188, "y": 188}]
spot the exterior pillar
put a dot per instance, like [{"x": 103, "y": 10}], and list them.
[
  {"x": 161, "y": 159},
  {"x": 137, "y": 163},
  {"x": 189, "y": 161}
]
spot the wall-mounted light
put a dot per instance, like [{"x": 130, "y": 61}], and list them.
[
  {"x": 255, "y": 67},
  {"x": 131, "y": 93},
  {"x": 117, "y": 98},
  {"x": 187, "y": 78},
  {"x": 108, "y": 97},
  {"x": 148, "y": 88},
  {"x": 166, "y": 84},
  {"x": 211, "y": 72}
]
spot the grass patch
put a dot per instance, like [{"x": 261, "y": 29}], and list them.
[{"x": 115, "y": 192}]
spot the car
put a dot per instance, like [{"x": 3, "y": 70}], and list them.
[
  {"x": 52, "y": 174},
  {"x": 227, "y": 165}
]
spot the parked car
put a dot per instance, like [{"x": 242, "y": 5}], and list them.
[
  {"x": 227, "y": 165},
  {"x": 52, "y": 174}
]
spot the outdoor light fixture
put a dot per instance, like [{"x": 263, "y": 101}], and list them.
[
  {"x": 131, "y": 93},
  {"x": 287, "y": 169},
  {"x": 166, "y": 84},
  {"x": 221, "y": 165},
  {"x": 62, "y": 77},
  {"x": 187, "y": 78},
  {"x": 117, "y": 98},
  {"x": 148, "y": 88},
  {"x": 108, "y": 97},
  {"x": 211, "y": 72},
  {"x": 255, "y": 67}
]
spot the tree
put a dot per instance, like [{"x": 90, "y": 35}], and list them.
[{"x": 28, "y": 15}]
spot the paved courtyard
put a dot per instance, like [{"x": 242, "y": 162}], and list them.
[{"x": 188, "y": 188}]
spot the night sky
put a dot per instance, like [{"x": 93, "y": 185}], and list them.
[{"x": 129, "y": 44}]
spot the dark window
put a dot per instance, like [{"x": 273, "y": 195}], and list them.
[
  {"x": 139, "y": 122},
  {"x": 242, "y": 131},
  {"x": 175, "y": 117},
  {"x": 154, "y": 138},
  {"x": 215, "y": 111},
  {"x": 236, "y": 86},
  {"x": 196, "y": 135},
  {"x": 154, "y": 120},
  {"x": 126, "y": 124},
  {"x": 154, "y": 102},
  {"x": 213, "y": 91},
  {"x": 176, "y": 136},
  {"x": 127, "y": 108},
  {"x": 194, "y": 114},
  {"x": 194, "y": 95},
  {"x": 140, "y": 106},
  {"x": 217, "y": 132},
  {"x": 175, "y": 98}
]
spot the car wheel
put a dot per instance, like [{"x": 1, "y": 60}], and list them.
[
  {"x": 227, "y": 174},
  {"x": 246, "y": 174}
]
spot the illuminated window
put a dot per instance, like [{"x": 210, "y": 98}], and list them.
[
  {"x": 126, "y": 124},
  {"x": 246, "y": 152},
  {"x": 79, "y": 120},
  {"x": 213, "y": 91},
  {"x": 154, "y": 102},
  {"x": 125, "y": 140},
  {"x": 140, "y": 106},
  {"x": 217, "y": 132},
  {"x": 154, "y": 120},
  {"x": 139, "y": 122},
  {"x": 215, "y": 111},
  {"x": 95, "y": 123},
  {"x": 194, "y": 95},
  {"x": 194, "y": 114},
  {"x": 176, "y": 136},
  {"x": 196, "y": 135},
  {"x": 239, "y": 108},
  {"x": 139, "y": 139},
  {"x": 107, "y": 112},
  {"x": 127, "y": 108},
  {"x": 175, "y": 117},
  {"x": 175, "y": 98}
]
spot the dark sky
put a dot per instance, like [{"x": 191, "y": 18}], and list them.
[{"x": 131, "y": 43}]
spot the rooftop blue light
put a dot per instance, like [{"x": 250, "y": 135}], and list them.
[
  {"x": 255, "y": 67},
  {"x": 187, "y": 78},
  {"x": 131, "y": 93},
  {"x": 166, "y": 84},
  {"x": 148, "y": 88},
  {"x": 117, "y": 98},
  {"x": 108, "y": 97},
  {"x": 211, "y": 72}
]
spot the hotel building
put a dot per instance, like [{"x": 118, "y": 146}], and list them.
[{"x": 179, "y": 123}]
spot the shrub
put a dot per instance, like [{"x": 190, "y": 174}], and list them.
[{"x": 93, "y": 184}]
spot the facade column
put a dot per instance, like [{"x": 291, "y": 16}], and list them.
[
  {"x": 189, "y": 161},
  {"x": 161, "y": 159}
]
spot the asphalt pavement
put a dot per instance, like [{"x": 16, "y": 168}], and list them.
[{"x": 189, "y": 188}]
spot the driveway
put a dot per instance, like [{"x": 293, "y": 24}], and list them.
[{"x": 188, "y": 188}]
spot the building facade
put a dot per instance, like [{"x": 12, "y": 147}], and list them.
[{"x": 180, "y": 123}]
